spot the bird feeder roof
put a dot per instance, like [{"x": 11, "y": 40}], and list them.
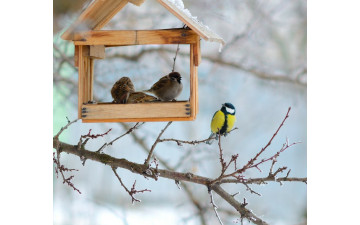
[{"x": 100, "y": 12}]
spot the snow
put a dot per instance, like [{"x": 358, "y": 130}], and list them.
[{"x": 179, "y": 5}]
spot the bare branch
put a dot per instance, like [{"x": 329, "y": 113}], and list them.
[
  {"x": 264, "y": 180},
  {"x": 155, "y": 143},
  {"x": 136, "y": 126},
  {"x": 64, "y": 128},
  {"x": 131, "y": 192},
  {"x": 245, "y": 213},
  {"x": 213, "y": 205},
  {"x": 141, "y": 168},
  {"x": 194, "y": 142},
  {"x": 61, "y": 168},
  {"x": 177, "y": 50}
]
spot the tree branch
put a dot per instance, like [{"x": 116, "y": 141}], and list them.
[
  {"x": 142, "y": 168},
  {"x": 131, "y": 192},
  {"x": 245, "y": 213},
  {"x": 155, "y": 143}
]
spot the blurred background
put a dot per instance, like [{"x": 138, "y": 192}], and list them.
[{"x": 262, "y": 70}]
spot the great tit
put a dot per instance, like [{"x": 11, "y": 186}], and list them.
[{"x": 222, "y": 121}]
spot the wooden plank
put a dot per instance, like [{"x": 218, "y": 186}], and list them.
[
  {"x": 196, "y": 91},
  {"x": 197, "y": 52},
  {"x": 76, "y": 56},
  {"x": 108, "y": 13},
  {"x": 91, "y": 80},
  {"x": 197, "y": 60},
  {"x": 97, "y": 51},
  {"x": 137, "y": 2},
  {"x": 135, "y": 37},
  {"x": 80, "y": 80},
  {"x": 85, "y": 77},
  {"x": 95, "y": 16},
  {"x": 138, "y": 120},
  {"x": 192, "y": 82},
  {"x": 136, "y": 111}
]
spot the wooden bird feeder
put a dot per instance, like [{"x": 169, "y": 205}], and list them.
[{"x": 90, "y": 43}]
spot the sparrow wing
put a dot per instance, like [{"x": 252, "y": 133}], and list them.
[
  {"x": 138, "y": 97},
  {"x": 161, "y": 83}
]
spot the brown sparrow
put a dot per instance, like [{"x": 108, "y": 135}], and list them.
[
  {"x": 168, "y": 87},
  {"x": 140, "y": 97},
  {"x": 121, "y": 90}
]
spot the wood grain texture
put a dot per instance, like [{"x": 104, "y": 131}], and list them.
[
  {"x": 135, "y": 37},
  {"x": 90, "y": 85},
  {"x": 137, "y": 2},
  {"x": 76, "y": 56},
  {"x": 196, "y": 59},
  {"x": 201, "y": 30},
  {"x": 86, "y": 68},
  {"x": 192, "y": 82},
  {"x": 196, "y": 91},
  {"x": 163, "y": 119},
  {"x": 80, "y": 80},
  {"x": 97, "y": 51},
  {"x": 140, "y": 111},
  {"x": 197, "y": 52},
  {"x": 95, "y": 16}
]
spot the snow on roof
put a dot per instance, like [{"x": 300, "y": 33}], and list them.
[
  {"x": 99, "y": 12},
  {"x": 178, "y": 9}
]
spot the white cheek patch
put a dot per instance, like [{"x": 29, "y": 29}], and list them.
[{"x": 231, "y": 111}]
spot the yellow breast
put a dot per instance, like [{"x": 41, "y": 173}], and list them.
[
  {"x": 217, "y": 121},
  {"x": 230, "y": 121}
]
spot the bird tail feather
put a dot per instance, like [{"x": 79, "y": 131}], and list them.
[{"x": 210, "y": 141}]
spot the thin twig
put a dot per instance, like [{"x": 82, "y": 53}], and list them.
[
  {"x": 263, "y": 180},
  {"x": 155, "y": 143},
  {"x": 61, "y": 168},
  {"x": 177, "y": 50},
  {"x": 131, "y": 192},
  {"x": 64, "y": 128},
  {"x": 213, "y": 205},
  {"x": 136, "y": 126},
  {"x": 222, "y": 161},
  {"x": 194, "y": 142}
]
